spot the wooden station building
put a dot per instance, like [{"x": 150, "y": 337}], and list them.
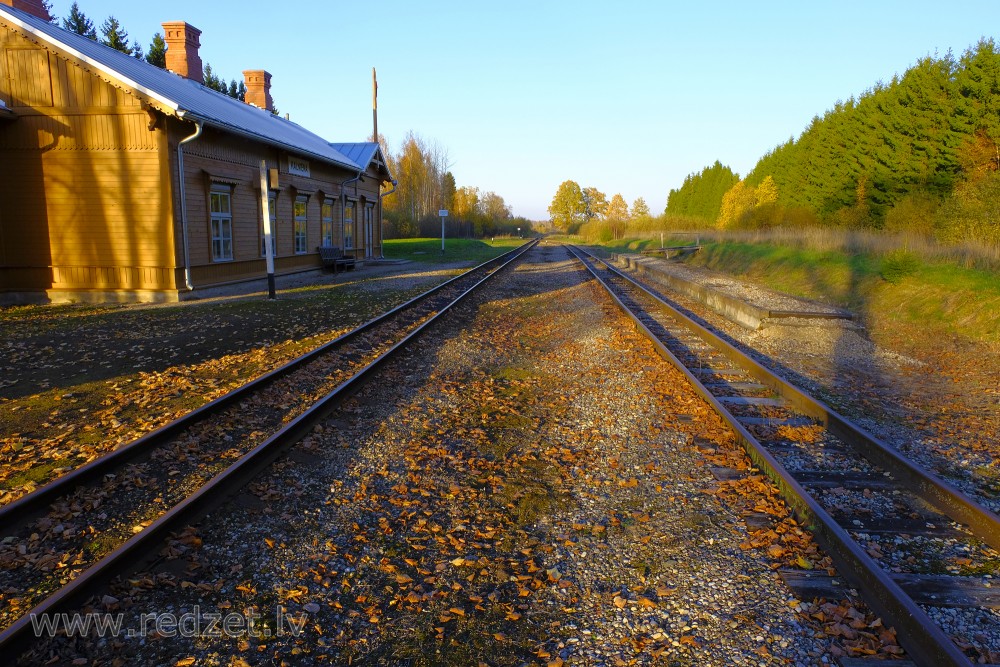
[{"x": 121, "y": 181}]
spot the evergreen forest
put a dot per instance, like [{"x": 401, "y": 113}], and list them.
[{"x": 920, "y": 153}]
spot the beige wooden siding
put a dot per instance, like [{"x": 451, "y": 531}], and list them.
[
  {"x": 28, "y": 78},
  {"x": 73, "y": 132},
  {"x": 89, "y": 213},
  {"x": 81, "y": 180},
  {"x": 112, "y": 278},
  {"x": 75, "y": 87},
  {"x": 224, "y": 272}
]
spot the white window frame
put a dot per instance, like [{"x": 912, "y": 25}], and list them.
[
  {"x": 221, "y": 222},
  {"x": 326, "y": 223},
  {"x": 272, "y": 209},
  {"x": 300, "y": 225},
  {"x": 349, "y": 225},
  {"x": 369, "y": 228}
]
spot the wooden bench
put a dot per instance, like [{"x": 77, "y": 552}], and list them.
[{"x": 334, "y": 258}]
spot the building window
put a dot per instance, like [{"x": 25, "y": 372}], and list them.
[
  {"x": 369, "y": 228},
  {"x": 300, "y": 225},
  {"x": 348, "y": 225},
  {"x": 272, "y": 209},
  {"x": 222, "y": 223},
  {"x": 326, "y": 224}
]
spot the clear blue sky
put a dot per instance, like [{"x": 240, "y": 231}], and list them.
[{"x": 627, "y": 97}]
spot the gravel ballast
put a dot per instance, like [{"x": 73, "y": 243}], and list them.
[
  {"x": 930, "y": 410},
  {"x": 528, "y": 488}
]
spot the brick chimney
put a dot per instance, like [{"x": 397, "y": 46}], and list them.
[
  {"x": 182, "y": 50},
  {"x": 258, "y": 83},
  {"x": 33, "y": 7}
]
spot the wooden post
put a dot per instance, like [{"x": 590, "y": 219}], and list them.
[
  {"x": 265, "y": 207},
  {"x": 374, "y": 107}
]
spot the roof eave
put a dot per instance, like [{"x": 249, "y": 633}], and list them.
[
  {"x": 170, "y": 104},
  {"x": 186, "y": 115},
  {"x": 385, "y": 164},
  {"x": 388, "y": 174}
]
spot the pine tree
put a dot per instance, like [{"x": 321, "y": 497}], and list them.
[
  {"x": 214, "y": 82},
  {"x": 237, "y": 90},
  {"x": 701, "y": 194},
  {"x": 157, "y": 54},
  {"x": 978, "y": 82},
  {"x": 114, "y": 35},
  {"x": 78, "y": 22}
]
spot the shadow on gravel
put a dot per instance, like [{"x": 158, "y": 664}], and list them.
[
  {"x": 61, "y": 347},
  {"x": 400, "y": 637}
]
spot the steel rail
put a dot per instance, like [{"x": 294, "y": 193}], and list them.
[
  {"x": 983, "y": 523},
  {"x": 923, "y": 639},
  {"x": 136, "y": 550},
  {"x": 24, "y": 509}
]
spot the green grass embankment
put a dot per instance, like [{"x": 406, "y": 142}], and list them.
[
  {"x": 893, "y": 290},
  {"x": 455, "y": 250},
  {"x": 672, "y": 240}
]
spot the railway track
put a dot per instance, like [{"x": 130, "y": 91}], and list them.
[
  {"x": 61, "y": 542},
  {"x": 921, "y": 554}
]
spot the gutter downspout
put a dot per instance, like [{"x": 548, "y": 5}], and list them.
[
  {"x": 381, "y": 235},
  {"x": 343, "y": 203},
  {"x": 199, "y": 126}
]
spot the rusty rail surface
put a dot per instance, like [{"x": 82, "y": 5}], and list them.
[
  {"x": 923, "y": 640},
  {"x": 137, "y": 550}
]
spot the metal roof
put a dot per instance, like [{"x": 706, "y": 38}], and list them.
[
  {"x": 363, "y": 153},
  {"x": 187, "y": 99}
]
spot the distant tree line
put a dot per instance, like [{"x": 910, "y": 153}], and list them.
[
  {"x": 588, "y": 211},
  {"x": 425, "y": 186},
  {"x": 113, "y": 34},
  {"x": 920, "y": 153}
]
